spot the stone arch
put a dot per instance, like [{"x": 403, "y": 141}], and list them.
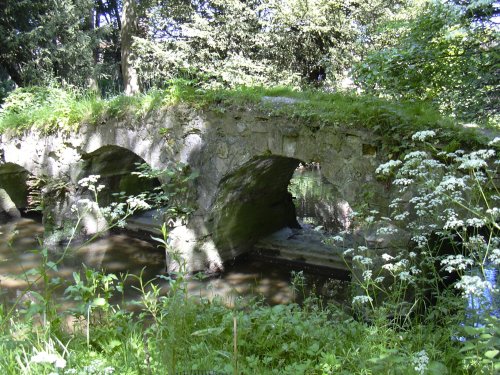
[
  {"x": 252, "y": 202},
  {"x": 13, "y": 190},
  {"x": 115, "y": 165}
]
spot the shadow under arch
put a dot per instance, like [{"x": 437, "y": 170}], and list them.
[
  {"x": 115, "y": 166},
  {"x": 13, "y": 190},
  {"x": 253, "y": 202}
]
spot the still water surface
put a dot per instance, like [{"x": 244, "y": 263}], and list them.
[
  {"x": 316, "y": 205},
  {"x": 121, "y": 254}
]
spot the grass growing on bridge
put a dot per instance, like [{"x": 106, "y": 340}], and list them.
[{"x": 53, "y": 109}]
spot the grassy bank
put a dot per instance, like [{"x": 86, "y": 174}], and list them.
[{"x": 52, "y": 109}]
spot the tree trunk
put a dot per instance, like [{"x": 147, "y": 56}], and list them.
[
  {"x": 93, "y": 23},
  {"x": 128, "y": 30}
]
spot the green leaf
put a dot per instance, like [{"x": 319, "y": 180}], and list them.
[
  {"x": 490, "y": 354},
  {"x": 99, "y": 302},
  {"x": 437, "y": 368},
  {"x": 208, "y": 331}
]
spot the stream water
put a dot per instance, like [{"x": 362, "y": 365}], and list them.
[{"x": 121, "y": 254}]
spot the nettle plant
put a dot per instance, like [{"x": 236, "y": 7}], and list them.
[{"x": 449, "y": 204}]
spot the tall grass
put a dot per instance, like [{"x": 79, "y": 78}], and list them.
[{"x": 169, "y": 334}]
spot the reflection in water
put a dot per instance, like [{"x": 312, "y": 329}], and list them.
[
  {"x": 122, "y": 254},
  {"x": 317, "y": 202}
]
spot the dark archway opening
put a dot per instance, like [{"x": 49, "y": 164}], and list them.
[
  {"x": 254, "y": 202},
  {"x": 317, "y": 201},
  {"x": 116, "y": 167},
  {"x": 255, "y": 214},
  {"x": 13, "y": 191}
]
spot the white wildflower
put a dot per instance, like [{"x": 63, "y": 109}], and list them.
[
  {"x": 402, "y": 216},
  {"x": 337, "y": 238},
  {"x": 475, "y": 160},
  {"x": 348, "y": 251},
  {"x": 52, "y": 358},
  {"x": 456, "y": 263},
  {"x": 367, "y": 275},
  {"x": 90, "y": 180},
  {"x": 387, "y": 257},
  {"x": 420, "y": 361},
  {"x": 44, "y": 357},
  {"x": 379, "y": 279},
  {"x": 494, "y": 257},
  {"x": 414, "y": 270},
  {"x": 450, "y": 183},
  {"x": 363, "y": 260},
  {"x": 388, "y": 167},
  {"x": 403, "y": 181},
  {"x": 135, "y": 203},
  {"x": 415, "y": 155},
  {"x": 387, "y": 230},
  {"x": 361, "y": 300},
  {"x": 405, "y": 276},
  {"x": 494, "y": 212},
  {"x": 412, "y": 254},
  {"x": 453, "y": 223},
  {"x": 475, "y": 222},
  {"x": 420, "y": 240},
  {"x": 494, "y": 141},
  {"x": 60, "y": 363},
  {"x": 370, "y": 219},
  {"x": 472, "y": 285},
  {"x": 423, "y": 135}
]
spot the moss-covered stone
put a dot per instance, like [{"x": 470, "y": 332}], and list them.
[{"x": 254, "y": 202}]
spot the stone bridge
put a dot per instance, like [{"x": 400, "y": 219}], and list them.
[{"x": 245, "y": 159}]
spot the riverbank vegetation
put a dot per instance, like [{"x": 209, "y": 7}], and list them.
[{"x": 427, "y": 309}]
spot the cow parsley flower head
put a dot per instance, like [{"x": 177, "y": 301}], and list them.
[
  {"x": 89, "y": 180},
  {"x": 494, "y": 141},
  {"x": 51, "y": 358},
  {"x": 388, "y": 167},
  {"x": 456, "y": 263},
  {"x": 473, "y": 286},
  {"x": 423, "y": 135},
  {"x": 420, "y": 361},
  {"x": 361, "y": 300},
  {"x": 494, "y": 257},
  {"x": 367, "y": 275}
]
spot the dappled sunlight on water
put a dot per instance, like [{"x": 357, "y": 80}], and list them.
[{"x": 121, "y": 254}]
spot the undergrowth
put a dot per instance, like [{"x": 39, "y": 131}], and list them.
[
  {"x": 172, "y": 333},
  {"x": 51, "y": 109}
]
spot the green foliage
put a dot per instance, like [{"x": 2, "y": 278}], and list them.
[
  {"x": 446, "y": 53},
  {"x": 174, "y": 332},
  {"x": 59, "y": 41},
  {"x": 446, "y": 204},
  {"x": 259, "y": 42},
  {"x": 170, "y": 331}
]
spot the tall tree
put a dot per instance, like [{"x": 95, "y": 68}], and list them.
[
  {"x": 129, "y": 29},
  {"x": 64, "y": 41},
  {"x": 234, "y": 42},
  {"x": 447, "y": 53}
]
